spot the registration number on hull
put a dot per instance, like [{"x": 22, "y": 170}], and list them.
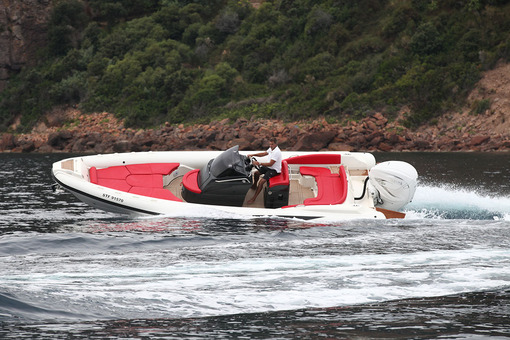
[{"x": 113, "y": 198}]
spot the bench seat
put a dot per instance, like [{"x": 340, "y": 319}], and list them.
[{"x": 332, "y": 188}]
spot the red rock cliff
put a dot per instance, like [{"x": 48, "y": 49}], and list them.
[{"x": 23, "y": 28}]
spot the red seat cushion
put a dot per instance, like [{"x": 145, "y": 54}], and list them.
[
  {"x": 332, "y": 188},
  {"x": 113, "y": 172},
  {"x": 93, "y": 175},
  {"x": 314, "y": 171},
  {"x": 152, "y": 168},
  {"x": 164, "y": 194},
  {"x": 190, "y": 181},
  {"x": 319, "y": 158},
  {"x": 153, "y": 181},
  {"x": 141, "y": 191},
  {"x": 282, "y": 178},
  {"x": 139, "y": 169}
]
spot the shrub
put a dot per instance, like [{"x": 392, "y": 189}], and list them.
[
  {"x": 318, "y": 67},
  {"x": 318, "y": 20},
  {"x": 228, "y": 22},
  {"x": 426, "y": 40},
  {"x": 480, "y": 106},
  {"x": 70, "y": 90}
]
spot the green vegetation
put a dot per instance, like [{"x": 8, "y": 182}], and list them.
[
  {"x": 480, "y": 106},
  {"x": 152, "y": 61}
]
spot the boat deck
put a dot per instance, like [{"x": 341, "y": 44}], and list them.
[
  {"x": 175, "y": 187},
  {"x": 297, "y": 193}
]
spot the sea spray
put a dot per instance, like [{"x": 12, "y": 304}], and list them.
[{"x": 453, "y": 202}]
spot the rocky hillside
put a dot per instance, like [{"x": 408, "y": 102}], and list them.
[
  {"x": 68, "y": 130},
  {"x": 490, "y": 126},
  {"x": 181, "y": 61},
  {"x": 483, "y": 124}
]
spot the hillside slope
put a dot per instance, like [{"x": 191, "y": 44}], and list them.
[
  {"x": 194, "y": 62},
  {"x": 69, "y": 130},
  {"x": 493, "y": 121}
]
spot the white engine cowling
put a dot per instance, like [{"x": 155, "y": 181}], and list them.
[{"x": 392, "y": 184}]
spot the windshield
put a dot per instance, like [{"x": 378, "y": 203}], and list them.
[{"x": 229, "y": 163}]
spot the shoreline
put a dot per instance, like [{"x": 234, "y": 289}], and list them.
[{"x": 103, "y": 133}]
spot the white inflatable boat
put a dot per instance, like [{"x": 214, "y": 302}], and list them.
[{"x": 312, "y": 185}]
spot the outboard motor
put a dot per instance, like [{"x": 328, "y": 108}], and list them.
[{"x": 392, "y": 184}]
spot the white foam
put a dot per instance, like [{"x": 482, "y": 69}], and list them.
[
  {"x": 191, "y": 288},
  {"x": 435, "y": 201},
  {"x": 210, "y": 212}
]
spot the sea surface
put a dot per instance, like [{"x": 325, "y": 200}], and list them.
[{"x": 68, "y": 271}]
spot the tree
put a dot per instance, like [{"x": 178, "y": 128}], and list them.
[{"x": 67, "y": 20}]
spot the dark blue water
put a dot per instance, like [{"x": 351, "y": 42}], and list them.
[{"x": 68, "y": 271}]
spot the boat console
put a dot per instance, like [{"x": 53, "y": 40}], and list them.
[{"x": 224, "y": 180}]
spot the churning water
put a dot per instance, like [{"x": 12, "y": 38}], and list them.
[{"x": 70, "y": 271}]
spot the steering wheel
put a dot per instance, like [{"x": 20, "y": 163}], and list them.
[{"x": 253, "y": 159}]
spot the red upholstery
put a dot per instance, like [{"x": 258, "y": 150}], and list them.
[
  {"x": 152, "y": 181},
  {"x": 190, "y": 181},
  {"x": 93, "y": 175},
  {"x": 141, "y": 191},
  {"x": 152, "y": 168},
  {"x": 114, "y": 172},
  {"x": 282, "y": 178},
  {"x": 140, "y": 179},
  {"x": 332, "y": 188},
  {"x": 317, "y": 158}
]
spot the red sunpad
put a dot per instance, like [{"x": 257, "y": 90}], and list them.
[{"x": 140, "y": 179}]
